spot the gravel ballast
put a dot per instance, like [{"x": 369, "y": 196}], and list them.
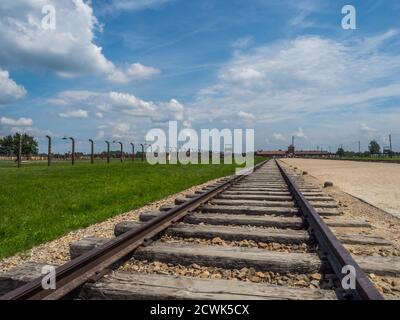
[{"x": 56, "y": 252}]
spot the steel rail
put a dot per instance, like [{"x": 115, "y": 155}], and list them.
[
  {"x": 331, "y": 248},
  {"x": 94, "y": 264}
]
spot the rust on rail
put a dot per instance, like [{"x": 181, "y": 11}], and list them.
[
  {"x": 93, "y": 264},
  {"x": 331, "y": 248}
]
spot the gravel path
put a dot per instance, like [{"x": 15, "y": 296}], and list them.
[
  {"x": 383, "y": 224},
  {"x": 375, "y": 183}
]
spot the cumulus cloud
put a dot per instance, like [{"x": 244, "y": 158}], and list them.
[
  {"x": 171, "y": 110},
  {"x": 22, "y": 125},
  {"x": 370, "y": 132},
  {"x": 242, "y": 42},
  {"x": 246, "y": 115},
  {"x": 16, "y": 122},
  {"x": 365, "y": 127},
  {"x": 120, "y": 104},
  {"x": 129, "y": 5},
  {"x": 33, "y": 131},
  {"x": 300, "y": 133},
  {"x": 291, "y": 80},
  {"x": 135, "y": 71},
  {"x": 9, "y": 90},
  {"x": 279, "y": 136},
  {"x": 69, "y": 50},
  {"x": 120, "y": 130},
  {"x": 74, "y": 114},
  {"x": 138, "y": 70},
  {"x": 122, "y": 115}
]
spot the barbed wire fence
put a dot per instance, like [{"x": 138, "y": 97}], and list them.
[
  {"x": 104, "y": 151},
  {"x": 17, "y": 151},
  {"x": 23, "y": 148}
]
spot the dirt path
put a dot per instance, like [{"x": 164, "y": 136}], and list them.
[{"x": 375, "y": 183}]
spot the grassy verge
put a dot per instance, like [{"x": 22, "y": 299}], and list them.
[{"x": 38, "y": 203}]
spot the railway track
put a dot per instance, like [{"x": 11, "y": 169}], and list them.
[{"x": 268, "y": 227}]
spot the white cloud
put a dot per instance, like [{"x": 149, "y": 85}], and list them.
[
  {"x": 16, "y": 122},
  {"x": 300, "y": 133},
  {"x": 293, "y": 80},
  {"x": 33, "y": 131},
  {"x": 246, "y": 115},
  {"x": 69, "y": 50},
  {"x": 100, "y": 135},
  {"x": 135, "y": 71},
  {"x": 243, "y": 42},
  {"x": 9, "y": 90},
  {"x": 279, "y": 136},
  {"x": 303, "y": 10},
  {"x": 130, "y": 5},
  {"x": 122, "y": 127},
  {"x": 120, "y": 130},
  {"x": 365, "y": 127},
  {"x": 74, "y": 114},
  {"x": 138, "y": 70},
  {"x": 172, "y": 110},
  {"x": 370, "y": 132},
  {"x": 128, "y": 102},
  {"x": 122, "y": 115},
  {"x": 116, "y": 130},
  {"x": 119, "y": 104}
]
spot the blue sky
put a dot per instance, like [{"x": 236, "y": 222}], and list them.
[{"x": 115, "y": 69}]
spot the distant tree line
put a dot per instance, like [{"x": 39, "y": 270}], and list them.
[
  {"x": 373, "y": 149},
  {"x": 9, "y": 145}
]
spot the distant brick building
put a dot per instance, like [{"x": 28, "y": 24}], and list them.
[
  {"x": 272, "y": 153},
  {"x": 291, "y": 152},
  {"x": 310, "y": 153}
]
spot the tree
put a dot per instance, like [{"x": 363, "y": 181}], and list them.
[
  {"x": 10, "y": 145},
  {"x": 6, "y": 146},
  {"x": 374, "y": 147},
  {"x": 340, "y": 152}
]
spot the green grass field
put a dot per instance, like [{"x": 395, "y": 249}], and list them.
[{"x": 38, "y": 203}]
